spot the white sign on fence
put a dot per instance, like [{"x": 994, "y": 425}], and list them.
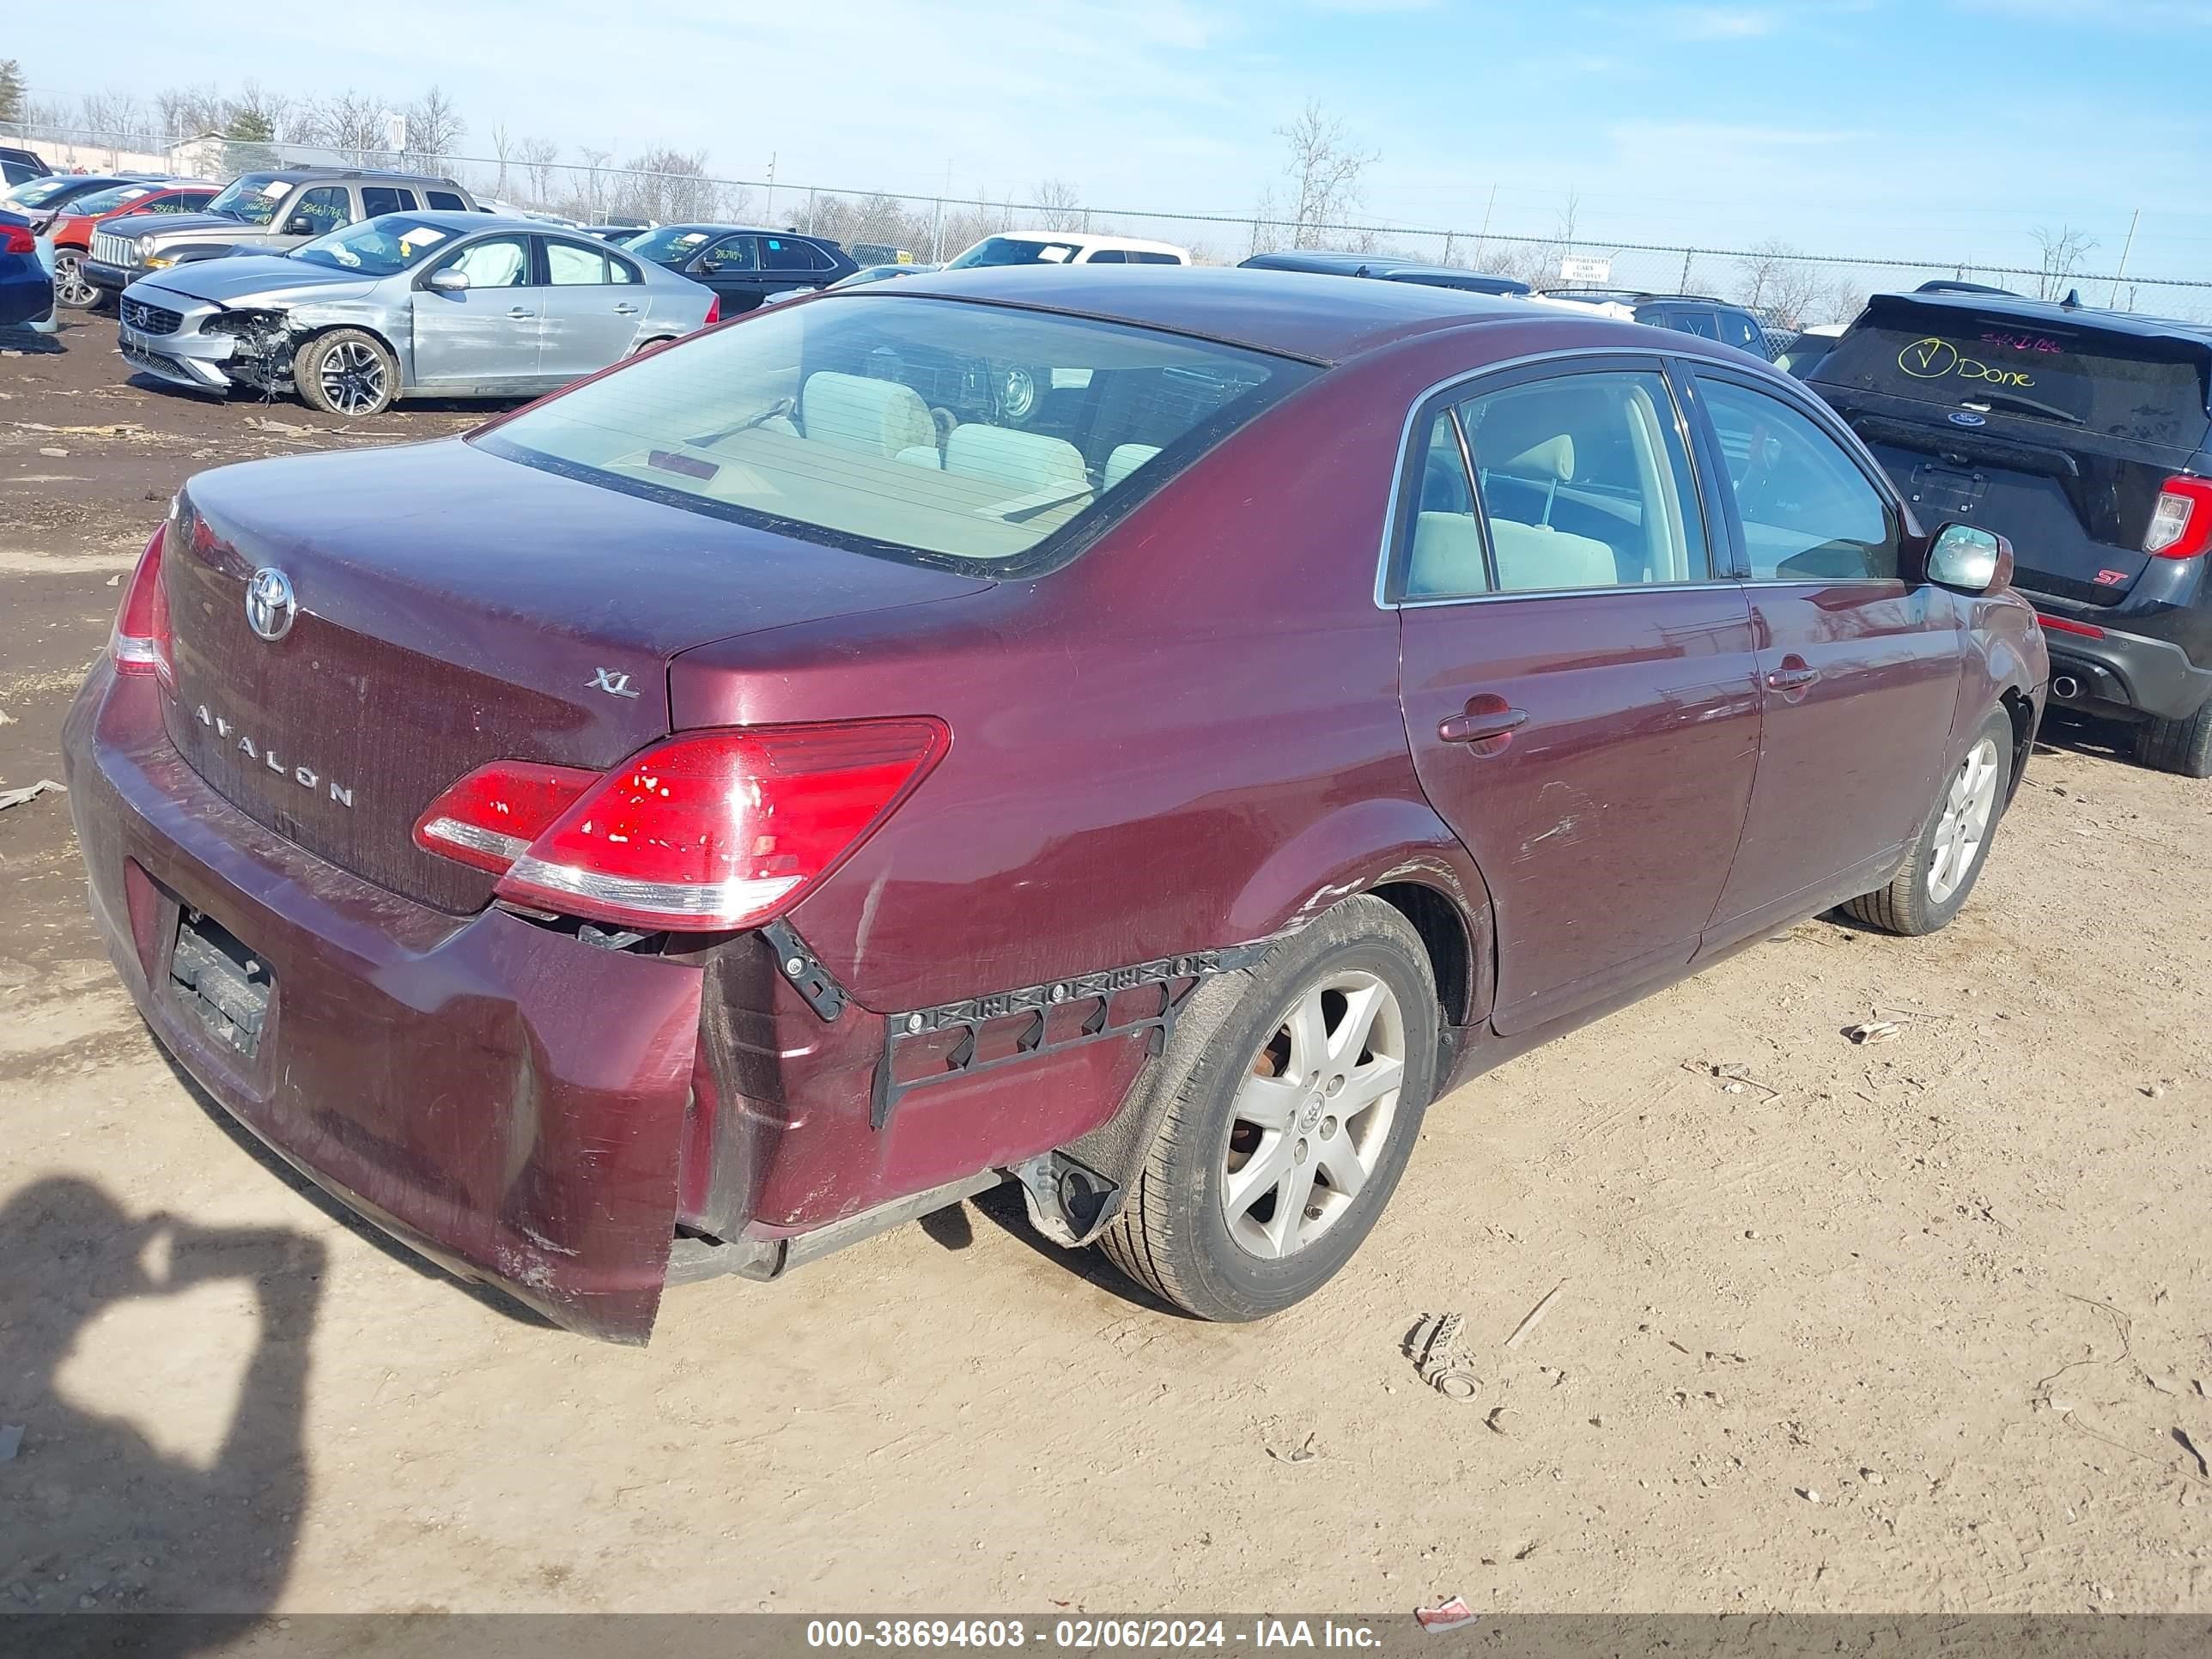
[{"x": 1577, "y": 268}]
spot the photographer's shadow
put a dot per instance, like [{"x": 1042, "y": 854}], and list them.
[{"x": 93, "y": 1516}]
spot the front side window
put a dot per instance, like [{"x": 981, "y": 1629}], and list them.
[
  {"x": 384, "y": 198},
  {"x": 325, "y": 209},
  {"x": 496, "y": 261},
  {"x": 890, "y": 424},
  {"x": 1808, "y": 512},
  {"x": 1581, "y": 480},
  {"x": 731, "y": 253},
  {"x": 196, "y": 203},
  {"x": 569, "y": 264}
]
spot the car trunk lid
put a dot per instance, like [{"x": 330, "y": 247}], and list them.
[
  {"x": 2057, "y": 429},
  {"x": 454, "y": 608}
]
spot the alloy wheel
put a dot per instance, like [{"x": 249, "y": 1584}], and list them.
[
  {"x": 1310, "y": 1122},
  {"x": 352, "y": 377},
  {"x": 71, "y": 287},
  {"x": 1963, "y": 827}
]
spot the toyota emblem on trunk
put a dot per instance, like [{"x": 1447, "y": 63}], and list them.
[{"x": 270, "y": 606}]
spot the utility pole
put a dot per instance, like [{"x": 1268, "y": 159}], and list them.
[
  {"x": 937, "y": 225},
  {"x": 769, "y": 212},
  {"x": 2113, "y": 299}
]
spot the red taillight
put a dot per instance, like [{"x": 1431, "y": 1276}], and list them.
[
  {"x": 139, "y": 642},
  {"x": 17, "y": 238},
  {"x": 490, "y": 816},
  {"x": 2060, "y": 625},
  {"x": 709, "y": 830},
  {"x": 714, "y": 312},
  {"x": 2181, "y": 523}
]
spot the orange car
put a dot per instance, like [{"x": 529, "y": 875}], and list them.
[{"x": 71, "y": 229}]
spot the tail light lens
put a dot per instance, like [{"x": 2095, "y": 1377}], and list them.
[
  {"x": 714, "y": 312},
  {"x": 139, "y": 642},
  {"x": 2181, "y": 523},
  {"x": 709, "y": 830},
  {"x": 2062, "y": 625},
  {"x": 17, "y": 238}
]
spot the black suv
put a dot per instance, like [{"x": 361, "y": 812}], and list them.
[
  {"x": 744, "y": 267},
  {"x": 2086, "y": 437},
  {"x": 1686, "y": 313}
]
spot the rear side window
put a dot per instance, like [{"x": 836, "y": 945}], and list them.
[
  {"x": 2146, "y": 390},
  {"x": 444, "y": 201},
  {"x": 918, "y": 429},
  {"x": 1140, "y": 257},
  {"x": 1808, "y": 512},
  {"x": 384, "y": 198},
  {"x": 570, "y": 264},
  {"x": 1579, "y": 481},
  {"x": 1740, "y": 330},
  {"x": 785, "y": 254}
]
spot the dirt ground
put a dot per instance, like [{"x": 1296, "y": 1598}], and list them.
[{"x": 1923, "y": 1325}]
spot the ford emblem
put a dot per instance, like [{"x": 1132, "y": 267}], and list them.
[
  {"x": 1968, "y": 417},
  {"x": 270, "y": 606}
]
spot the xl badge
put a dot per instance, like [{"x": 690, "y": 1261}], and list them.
[
  {"x": 270, "y": 605},
  {"x": 614, "y": 684}
]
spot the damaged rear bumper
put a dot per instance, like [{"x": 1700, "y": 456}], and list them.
[{"x": 508, "y": 1101}]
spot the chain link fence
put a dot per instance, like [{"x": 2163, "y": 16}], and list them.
[{"x": 1785, "y": 286}]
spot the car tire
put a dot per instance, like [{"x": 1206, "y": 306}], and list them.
[
  {"x": 71, "y": 291},
  {"x": 1954, "y": 844},
  {"x": 1255, "y": 1078},
  {"x": 2183, "y": 747},
  {"x": 348, "y": 372}
]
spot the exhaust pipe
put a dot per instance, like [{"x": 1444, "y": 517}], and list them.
[{"x": 2065, "y": 687}]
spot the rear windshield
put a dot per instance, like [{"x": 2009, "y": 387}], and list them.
[
  {"x": 2070, "y": 373},
  {"x": 927, "y": 429}
]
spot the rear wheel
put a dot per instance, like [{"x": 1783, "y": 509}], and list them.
[
  {"x": 2183, "y": 746},
  {"x": 348, "y": 372},
  {"x": 1299, "y": 1088},
  {"x": 70, "y": 289},
  {"x": 1954, "y": 840}
]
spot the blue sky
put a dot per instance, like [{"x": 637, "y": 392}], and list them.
[{"x": 1944, "y": 128}]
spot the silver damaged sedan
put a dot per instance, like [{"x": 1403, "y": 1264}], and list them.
[{"x": 431, "y": 305}]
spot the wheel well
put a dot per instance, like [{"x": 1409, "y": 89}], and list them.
[
  {"x": 1443, "y": 932},
  {"x": 2022, "y": 714}
]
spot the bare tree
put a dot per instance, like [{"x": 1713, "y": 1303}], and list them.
[
  {"x": 2062, "y": 251},
  {"x": 188, "y": 112},
  {"x": 665, "y": 185},
  {"x": 112, "y": 113},
  {"x": 1322, "y": 172},
  {"x": 434, "y": 125},
  {"x": 1057, "y": 204},
  {"x": 502, "y": 146},
  {"x": 349, "y": 122},
  {"x": 591, "y": 197},
  {"x": 537, "y": 156},
  {"x": 1776, "y": 281}
]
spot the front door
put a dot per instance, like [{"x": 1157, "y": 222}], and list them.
[
  {"x": 486, "y": 334},
  {"x": 731, "y": 268},
  {"x": 591, "y": 318},
  {"x": 1577, "y": 684},
  {"x": 1859, "y": 666}
]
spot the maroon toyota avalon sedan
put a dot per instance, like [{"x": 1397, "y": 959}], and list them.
[{"x": 1141, "y": 732}]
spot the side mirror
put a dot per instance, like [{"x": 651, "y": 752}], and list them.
[
  {"x": 299, "y": 225},
  {"x": 1969, "y": 558},
  {"x": 449, "y": 281}
]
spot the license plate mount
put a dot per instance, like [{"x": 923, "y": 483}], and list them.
[{"x": 227, "y": 988}]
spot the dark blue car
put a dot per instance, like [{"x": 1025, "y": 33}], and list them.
[{"x": 27, "y": 288}]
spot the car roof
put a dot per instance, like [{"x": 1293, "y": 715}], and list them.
[
  {"x": 1321, "y": 318},
  {"x": 2132, "y": 323}
]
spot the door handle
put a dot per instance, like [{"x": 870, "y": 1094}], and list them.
[
  {"x": 1792, "y": 679},
  {"x": 521, "y": 315},
  {"x": 625, "y": 310},
  {"x": 1479, "y": 725}
]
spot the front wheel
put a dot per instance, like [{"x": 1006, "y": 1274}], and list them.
[
  {"x": 1954, "y": 840},
  {"x": 71, "y": 287},
  {"x": 348, "y": 372},
  {"x": 2183, "y": 747},
  {"x": 1298, "y": 1086}
]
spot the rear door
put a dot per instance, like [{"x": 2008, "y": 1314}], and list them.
[
  {"x": 1858, "y": 667},
  {"x": 2056, "y": 432},
  {"x": 789, "y": 263},
  {"x": 1578, "y": 683},
  {"x": 591, "y": 320},
  {"x": 485, "y": 334}
]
